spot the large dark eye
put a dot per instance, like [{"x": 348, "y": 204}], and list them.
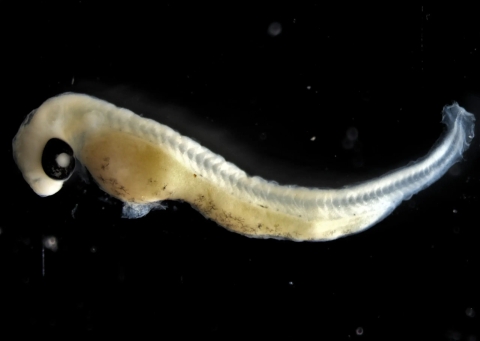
[{"x": 57, "y": 159}]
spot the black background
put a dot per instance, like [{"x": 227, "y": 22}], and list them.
[{"x": 214, "y": 73}]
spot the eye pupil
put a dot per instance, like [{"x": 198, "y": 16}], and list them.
[
  {"x": 63, "y": 160},
  {"x": 57, "y": 159}
]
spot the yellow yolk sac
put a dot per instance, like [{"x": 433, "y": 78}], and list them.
[{"x": 142, "y": 162}]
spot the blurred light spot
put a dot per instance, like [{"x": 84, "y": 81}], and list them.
[
  {"x": 470, "y": 312},
  {"x": 50, "y": 243},
  {"x": 347, "y": 144},
  {"x": 311, "y": 139},
  {"x": 359, "y": 331},
  {"x": 455, "y": 170},
  {"x": 454, "y": 335},
  {"x": 357, "y": 161},
  {"x": 352, "y": 134},
  {"x": 274, "y": 29},
  {"x": 74, "y": 210}
]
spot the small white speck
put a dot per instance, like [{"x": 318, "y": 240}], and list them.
[
  {"x": 470, "y": 312},
  {"x": 73, "y": 80},
  {"x": 309, "y": 87},
  {"x": 50, "y": 243},
  {"x": 455, "y": 211},
  {"x": 313, "y": 138},
  {"x": 359, "y": 331},
  {"x": 93, "y": 249},
  {"x": 290, "y": 283}
]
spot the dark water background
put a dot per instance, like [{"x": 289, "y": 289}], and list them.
[{"x": 254, "y": 83}]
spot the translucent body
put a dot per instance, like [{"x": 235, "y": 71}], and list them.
[{"x": 142, "y": 162}]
